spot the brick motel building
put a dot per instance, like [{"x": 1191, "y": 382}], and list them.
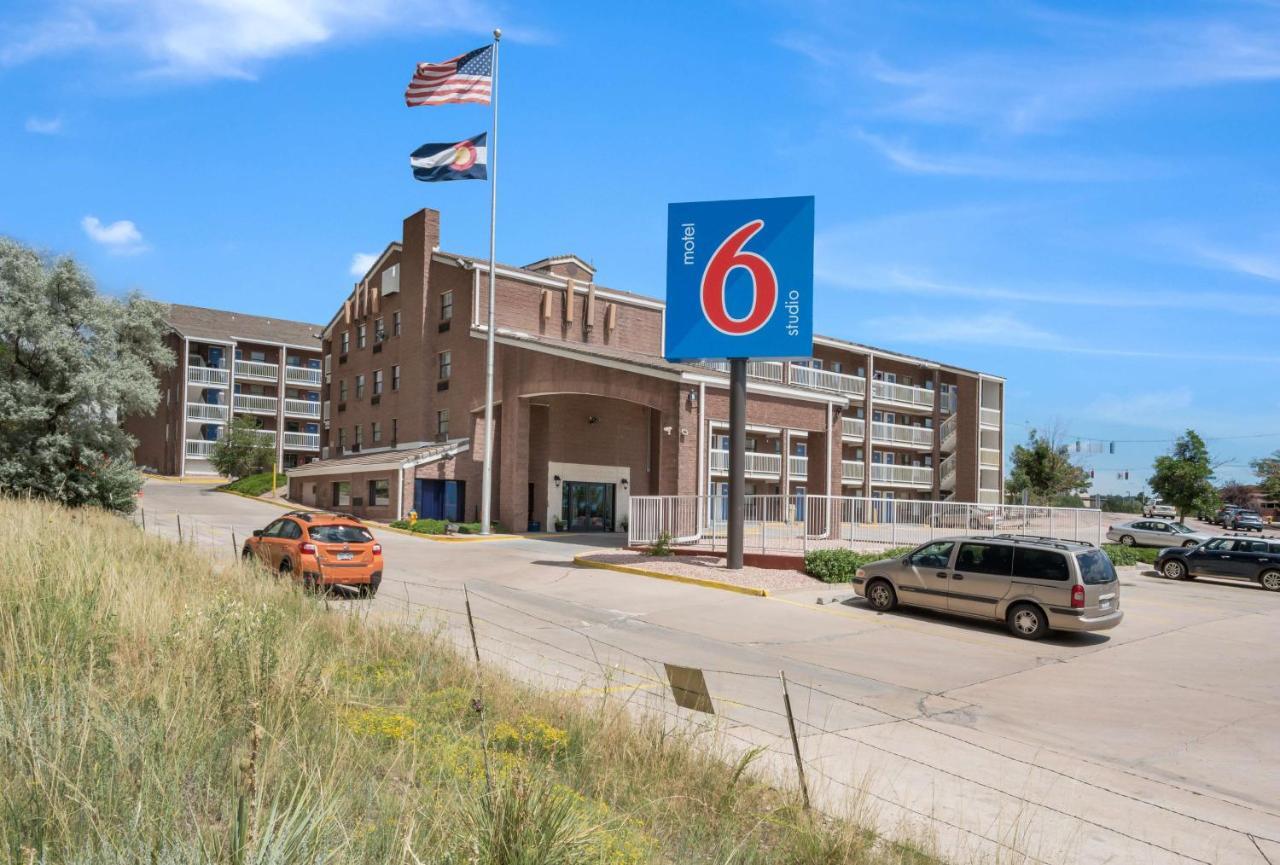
[{"x": 587, "y": 413}]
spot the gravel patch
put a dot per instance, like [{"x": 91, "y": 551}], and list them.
[{"x": 711, "y": 568}]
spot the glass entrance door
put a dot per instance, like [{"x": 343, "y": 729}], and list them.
[{"x": 588, "y": 507}]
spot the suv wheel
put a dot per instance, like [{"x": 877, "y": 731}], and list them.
[
  {"x": 1270, "y": 580},
  {"x": 1127, "y": 540},
  {"x": 1027, "y": 621},
  {"x": 1174, "y": 569},
  {"x": 881, "y": 596}
]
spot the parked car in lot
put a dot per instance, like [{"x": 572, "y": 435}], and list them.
[
  {"x": 1155, "y": 533},
  {"x": 1226, "y": 514},
  {"x": 1159, "y": 509},
  {"x": 1246, "y": 521},
  {"x": 1253, "y": 559},
  {"x": 320, "y": 549},
  {"x": 1030, "y": 583}
]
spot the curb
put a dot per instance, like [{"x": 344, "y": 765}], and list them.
[
  {"x": 288, "y": 506},
  {"x": 586, "y": 562},
  {"x": 443, "y": 539}
]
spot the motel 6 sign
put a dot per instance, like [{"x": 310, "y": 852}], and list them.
[{"x": 740, "y": 279}]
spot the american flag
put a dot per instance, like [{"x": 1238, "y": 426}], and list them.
[{"x": 466, "y": 78}]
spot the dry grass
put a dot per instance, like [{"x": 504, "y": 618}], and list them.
[{"x": 157, "y": 708}]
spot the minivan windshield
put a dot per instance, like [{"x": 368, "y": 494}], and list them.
[
  {"x": 340, "y": 534},
  {"x": 1095, "y": 568}
]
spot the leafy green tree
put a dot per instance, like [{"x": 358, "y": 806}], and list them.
[
  {"x": 1184, "y": 478},
  {"x": 72, "y": 363},
  {"x": 1043, "y": 469},
  {"x": 243, "y": 450},
  {"x": 1268, "y": 471}
]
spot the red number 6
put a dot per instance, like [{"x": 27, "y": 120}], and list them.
[{"x": 764, "y": 294}]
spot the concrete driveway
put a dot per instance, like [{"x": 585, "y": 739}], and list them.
[{"x": 1156, "y": 742}]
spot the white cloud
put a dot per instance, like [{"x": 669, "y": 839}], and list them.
[
  {"x": 1260, "y": 264},
  {"x": 361, "y": 262},
  {"x": 43, "y": 125},
  {"x": 1129, "y": 408},
  {"x": 222, "y": 38},
  {"x": 121, "y": 237}
]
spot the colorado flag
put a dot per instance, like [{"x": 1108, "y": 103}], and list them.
[{"x": 464, "y": 160}]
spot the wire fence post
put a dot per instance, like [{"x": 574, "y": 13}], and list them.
[
  {"x": 795, "y": 742},
  {"x": 235, "y": 547},
  {"x": 179, "y": 516},
  {"x": 144, "y": 519},
  {"x": 479, "y": 702}
]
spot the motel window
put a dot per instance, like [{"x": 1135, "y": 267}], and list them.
[
  {"x": 359, "y": 385},
  {"x": 446, "y": 365},
  {"x": 395, "y": 377},
  {"x": 442, "y": 423},
  {"x": 395, "y": 429},
  {"x": 361, "y": 334},
  {"x": 395, "y": 323},
  {"x": 342, "y": 438},
  {"x": 359, "y": 436},
  {"x": 380, "y": 492},
  {"x": 342, "y": 493},
  {"x": 342, "y": 390},
  {"x": 377, "y": 381},
  {"x": 446, "y": 306},
  {"x": 346, "y": 341},
  {"x": 375, "y": 431},
  {"x": 379, "y": 331}
]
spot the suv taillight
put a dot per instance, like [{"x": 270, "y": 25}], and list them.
[
  {"x": 307, "y": 548},
  {"x": 1077, "y": 597},
  {"x": 377, "y": 549}
]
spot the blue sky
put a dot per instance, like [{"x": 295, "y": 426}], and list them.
[{"x": 1082, "y": 198}]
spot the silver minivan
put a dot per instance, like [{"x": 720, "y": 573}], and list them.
[{"x": 1031, "y": 583}]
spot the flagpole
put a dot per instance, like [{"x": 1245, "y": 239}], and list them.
[{"x": 486, "y": 483}]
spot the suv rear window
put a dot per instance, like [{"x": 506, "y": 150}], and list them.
[
  {"x": 1096, "y": 568},
  {"x": 1040, "y": 564},
  {"x": 340, "y": 534}
]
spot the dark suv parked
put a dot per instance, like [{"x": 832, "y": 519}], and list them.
[{"x": 1256, "y": 560}]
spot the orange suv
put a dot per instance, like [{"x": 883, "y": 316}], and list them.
[{"x": 321, "y": 549}]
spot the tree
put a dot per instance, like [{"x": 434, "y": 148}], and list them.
[
  {"x": 1268, "y": 471},
  {"x": 243, "y": 450},
  {"x": 1043, "y": 469},
  {"x": 1233, "y": 493},
  {"x": 1183, "y": 478},
  {"x": 72, "y": 363}
]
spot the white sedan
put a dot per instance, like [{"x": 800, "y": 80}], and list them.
[{"x": 1155, "y": 533}]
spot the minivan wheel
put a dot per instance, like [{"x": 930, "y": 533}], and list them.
[
  {"x": 1127, "y": 540},
  {"x": 1174, "y": 570},
  {"x": 881, "y": 596},
  {"x": 1270, "y": 581},
  {"x": 1027, "y": 621}
]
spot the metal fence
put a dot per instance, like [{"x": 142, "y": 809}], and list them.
[{"x": 798, "y": 523}]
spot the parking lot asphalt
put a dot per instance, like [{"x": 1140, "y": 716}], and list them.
[{"x": 1155, "y": 742}]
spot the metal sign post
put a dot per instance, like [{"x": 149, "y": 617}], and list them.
[{"x": 737, "y": 460}]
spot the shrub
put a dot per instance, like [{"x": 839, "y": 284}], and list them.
[
  {"x": 662, "y": 546},
  {"x": 254, "y": 485},
  {"x": 428, "y": 527},
  {"x": 839, "y": 566},
  {"x": 1121, "y": 555}
]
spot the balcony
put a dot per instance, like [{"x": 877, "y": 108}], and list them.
[
  {"x": 902, "y": 476},
  {"x": 798, "y": 466},
  {"x": 760, "y": 370},
  {"x": 823, "y": 379},
  {"x": 902, "y": 435},
  {"x": 208, "y": 376},
  {"x": 989, "y": 458},
  {"x": 947, "y": 434},
  {"x": 852, "y": 471},
  {"x": 947, "y": 473},
  {"x": 758, "y": 464},
  {"x": 853, "y": 428},
  {"x": 301, "y": 441},
  {"x": 204, "y": 411},
  {"x": 302, "y": 408},
  {"x": 989, "y": 417},
  {"x": 303, "y": 375},
  {"x": 199, "y": 448},
  {"x": 253, "y": 403},
  {"x": 257, "y": 369},
  {"x": 903, "y": 395}
]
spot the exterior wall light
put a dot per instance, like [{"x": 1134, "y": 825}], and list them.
[
  {"x": 624, "y": 483},
  {"x": 557, "y": 480}
]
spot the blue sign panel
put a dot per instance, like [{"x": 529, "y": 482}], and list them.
[{"x": 740, "y": 279}]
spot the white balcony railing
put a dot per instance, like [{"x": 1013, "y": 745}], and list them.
[
  {"x": 989, "y": 457},
  {"x": 255, "y": 403},
  {"x": 852, "y": 471},
  {"x": 303, "y": 375},
  {"x": 907, "y": 476},
  {"x": 853, "y": 427},
  {"x": 902, "y": 394},
  {"x": 257, "y": 369},
  {"x": 761, "y": 370},
  {"x": 798, "y": 466},
  {"x": 207, "y": 375},
  {"x": 769, "y": 465},
  {"x": 947, "y": 434},
  {"x": 900, "y": 434},
  {"x": 207, "y": 411},
  {"x": 199, "y": 448},
  {"x": 989, "y": 416},
  {"x": 268, "y": 434},
  {"x": 302, "y": 441},
  {"x": 825, "y": 379},
  {"x": 947, "y": 473},
  {"x": 302, "y": 407}
]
